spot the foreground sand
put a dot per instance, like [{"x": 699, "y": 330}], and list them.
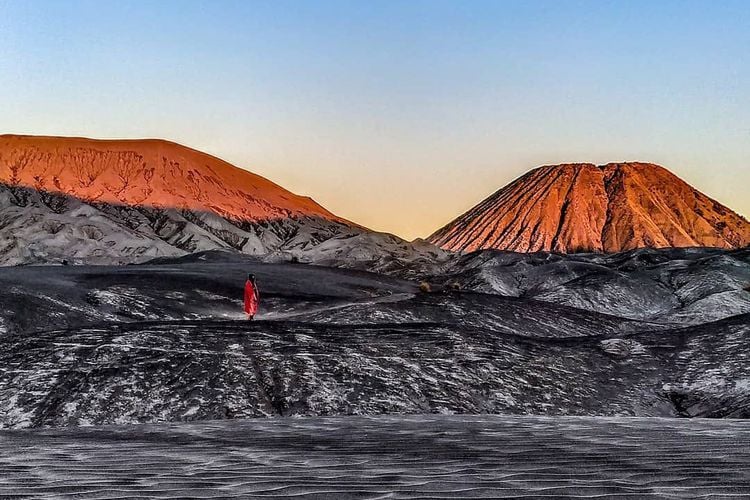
[{"x": 385, "y": 457}]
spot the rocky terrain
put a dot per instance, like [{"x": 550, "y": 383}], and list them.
[
  {"x": 89, "y": 201},
  {"x": 677, "y": 286},
  {"x": 411, "y": 352},
  {"x": 574, "y": 208},
  {"x": 166, "y": 341},
  {"x": 117, "y": 202},
  {"x": 132, "y": 314},
  {"x": 425, "y": 456}
]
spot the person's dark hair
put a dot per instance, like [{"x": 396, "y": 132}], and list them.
[{"x": 251, "y": 277}]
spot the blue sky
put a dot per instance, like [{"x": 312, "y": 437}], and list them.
[{"x": 396, "y": 114}]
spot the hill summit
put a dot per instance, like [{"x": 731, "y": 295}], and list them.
[
  {"x": 87, "y": 201},
  {"x": 147, "y": 172},
  {"x": 583, "y": 207}
]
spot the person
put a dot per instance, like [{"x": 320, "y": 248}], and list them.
[{"x": 252, "y": 296}]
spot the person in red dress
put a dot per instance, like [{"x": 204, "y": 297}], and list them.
[{"x": 252, "y": 297}]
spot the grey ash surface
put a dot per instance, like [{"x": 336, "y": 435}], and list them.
[
  {"x": 405, "y": 379},
  {"x": 426, "y": 456},
  {"x": 168, "y": 343},
  {"x": 680, "y": 285}
]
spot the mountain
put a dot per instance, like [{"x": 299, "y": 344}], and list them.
[
  {"x": 583, "y": 207},
  {"x": 122, "y": 201},
  {"x": 151, "y": 172}
]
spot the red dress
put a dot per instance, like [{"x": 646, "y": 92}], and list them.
[{"x": 251, "y": 299}]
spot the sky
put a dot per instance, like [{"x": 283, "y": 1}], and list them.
[{"x": 399, "y": 115}]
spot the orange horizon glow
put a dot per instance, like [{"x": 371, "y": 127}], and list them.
[
  {"x": 152, "y": 173},
  {"x": 397, "y": 115}
]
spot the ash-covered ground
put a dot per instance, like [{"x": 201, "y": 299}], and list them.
[
  {"x": 425, "y": 456},
  {"x": 647, "y": 333}
]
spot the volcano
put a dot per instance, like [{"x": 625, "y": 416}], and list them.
[
  {"x": 152, "y": 173},
  {"x": 583, "y": 207},
  {"x": 126, "y": 201}
]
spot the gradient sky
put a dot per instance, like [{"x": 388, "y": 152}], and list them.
[{"x": 396, "y": 114}]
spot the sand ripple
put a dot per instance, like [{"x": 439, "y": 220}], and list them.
[{"x": 383, "y": 457}]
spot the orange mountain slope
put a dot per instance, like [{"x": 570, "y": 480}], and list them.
[
  {"x": 583, "y": 207},
  {"x": 148, "y": 172}
]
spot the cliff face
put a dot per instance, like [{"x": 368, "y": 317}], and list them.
[{"x": 583, "y": 207}]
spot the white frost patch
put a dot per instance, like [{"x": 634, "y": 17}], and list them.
[
  {"x": 214, "y": 296},
  {"x": 711, "y": 380},
  {"x": 622, "y": 347},
  {"x": 13, "y": 415},
  {"x": 505, "y": 398},
  {"x": 125, "y": 299},
  {"x": 191, "y": 411}
]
